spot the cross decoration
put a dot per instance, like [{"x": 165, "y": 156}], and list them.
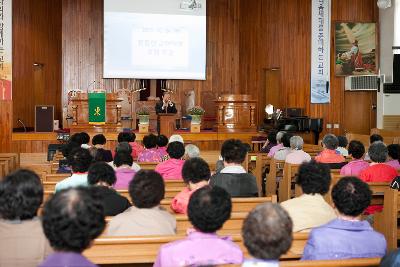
[{"x": 97, "y": 111}]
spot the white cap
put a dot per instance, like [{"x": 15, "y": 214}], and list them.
[{"x": 175, "y": 138}]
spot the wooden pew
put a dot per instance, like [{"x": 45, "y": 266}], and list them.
[
  {"x": 170, "y": 192},
  {"x": 2, "y": 169},
  {"x": 231, "y": 226},
  {"x": 275, "y": 170},
  {"x": 5, "y": 167},
  {"x": 54, "y": 177},
  {"x": 245, "y": 204},
  {"x": 12, "y": 158},
  {"x": 285, "y": 184},
  {"x": 136, "y": 250}
]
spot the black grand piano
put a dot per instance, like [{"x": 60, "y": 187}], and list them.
[{"x": 293, "y": 120}]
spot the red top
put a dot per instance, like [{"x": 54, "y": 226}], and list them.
[
  {"x": 329, "y": 156},
  {"x": 377, "y": 173}
]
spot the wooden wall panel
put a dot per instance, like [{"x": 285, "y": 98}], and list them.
[
  {"x": 276, "y": 34},
  {"x": 5, "y": 125},
  {"x": 36, "y": 38},
  {"x": 82, "y": 47}
]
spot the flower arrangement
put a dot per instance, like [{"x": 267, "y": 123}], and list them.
[
  {"x": 142, "y": 111},
  {"x": 197, "y": 110}
]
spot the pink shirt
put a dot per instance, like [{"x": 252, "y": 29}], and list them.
[
  {"x": 149, "y": 155},
  {"x": 394, "y": 163},
  {"x": 354, "y": 167},
  {"x": 273, "y": 150},
  {"x": 297, "y": 157},
  {"x": 136, "y": 149},
  {"x": 329, "y": 156},
  {"x": 199, "y": 249},
  {"x": 162, "y": 151},
  {"x": 170, "y": 169},
  {"x": 124, "y": 177},
  {"x": 181, "y": 200}
]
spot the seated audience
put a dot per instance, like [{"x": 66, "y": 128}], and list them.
[
  {"x": 99, "y": 141},
  {"x": 233, "y": 177},
  {"x": 79, "y": 160},
  {"x": 100, "y": 155},
  {"x": 282, "y": 152},
  {"x": 191, "y": 151},
  {"x": 392, "y": 259},
  {"x": 85, "y": 140},
  {"x": 72, "y": 219},
  {"x": 372, "y": 139},
  {"x": 329, "y": 154},
  {"x": 63, "y": 165},
  {"x": 267, "y": 235},
  {"x": 270, "y": 143},
  {"x": 125, "y": 147},
  {"x": 162, "y": 142},
  {"x": 357, "y": 164},
  {"x": 278, "y": 146},
  {"x": 209, "y": 208},
  {"x": 297, "y": 154},
  {"x": 310, "y": 209},
  {"x": 348, "y": 236},
  {"x": 136, "y": 147},
  {"x": 172, "y": 168},
  {"x": 196, "y": 174},
  {"x": 123, "y": 170},
  {"x": 176, "y": 138},
  {"x": 23, "y": 242},
  {"x": 76, "y": 138},
  {"x": 342, "y": 146},
  {"x": 378, "y": 171},
  {"x": 393, "y": 156},
  {"x": 145, "y": 217},
  {"x": 103, "y": 177},
  {"x": 150, "y": 152}
]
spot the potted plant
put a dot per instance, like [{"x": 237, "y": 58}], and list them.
[
  {"x": 196, "y": 113},
  {"x": 144, "y": 114}
]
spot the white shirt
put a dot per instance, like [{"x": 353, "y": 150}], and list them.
[{"x": 233, "y": 169}]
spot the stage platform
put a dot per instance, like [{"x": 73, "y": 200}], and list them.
[{"x": 206, "y": 140}]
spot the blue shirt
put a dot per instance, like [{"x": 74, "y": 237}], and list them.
[
  {"x": 74, "y": 180},
  {"x": 341, "y": 239},
  {"x": 66, "y": 259}
]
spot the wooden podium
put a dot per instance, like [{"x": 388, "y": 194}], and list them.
[
  {"x": 167, "y": 123},
  {"x": 236, "y": 113},
  {"x": 80, "y": 105}
]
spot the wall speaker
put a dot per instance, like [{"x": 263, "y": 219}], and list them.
[{"x": 44, "y": 118}]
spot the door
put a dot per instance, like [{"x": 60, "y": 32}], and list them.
[{"x": 359, "y": 114}]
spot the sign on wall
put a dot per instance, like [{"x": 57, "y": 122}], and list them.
[
  {"x": 5, "y": 49},
  {"x": 320, "y": 51}
]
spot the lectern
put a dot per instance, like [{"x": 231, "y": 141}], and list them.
[
  {"x": 167, "y": 123},
  {"x": 236, "y": 113}
]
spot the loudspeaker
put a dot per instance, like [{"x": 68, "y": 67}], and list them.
[{"x": 44, "y": 118}]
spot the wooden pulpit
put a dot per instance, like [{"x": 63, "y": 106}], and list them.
[
  {"x": 236, "y": 113},
  {"x": 167, "y": 123},
  {"x": 80, "y": 116}
]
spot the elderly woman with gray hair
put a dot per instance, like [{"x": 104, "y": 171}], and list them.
[
  {"x": 279, "y": 145},
  {"x": 329, "y": 154},
  {"x": 297, "y": 155}
]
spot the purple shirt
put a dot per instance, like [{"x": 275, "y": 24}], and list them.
[
  {"x": 354, "y": 167},
  {"x": 199, "y": 249},
  {"x": 394, "y": 163},
  {"x": 273, "y": 150},
  {"x": 170, "y": 169},
  {"x": 124, "y": 176},
  {"x": 163, "y": 151},
  {"x": 149, "y": 155},
  {"x": 340, "y": 239},
  {"x": 68, "y": 259}
]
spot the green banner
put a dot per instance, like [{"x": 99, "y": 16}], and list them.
[{"x": 97, "y": 108}]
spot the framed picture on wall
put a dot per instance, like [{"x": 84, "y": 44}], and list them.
[{"x": 355, "y": 48}]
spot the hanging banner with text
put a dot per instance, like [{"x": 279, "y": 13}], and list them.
[
  {"x": 5, "y": 49},
  {"x": 320, "y": 51}
]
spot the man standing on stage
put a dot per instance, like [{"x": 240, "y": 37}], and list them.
[{"x": 166, "y": 105}]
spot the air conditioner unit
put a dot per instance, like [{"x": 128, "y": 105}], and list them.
[{"x": 362, "y": 83}]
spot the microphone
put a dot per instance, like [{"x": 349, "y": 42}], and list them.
[
  {"x": 21, "y": 122},
  {"x": 90, "y": 84}
]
